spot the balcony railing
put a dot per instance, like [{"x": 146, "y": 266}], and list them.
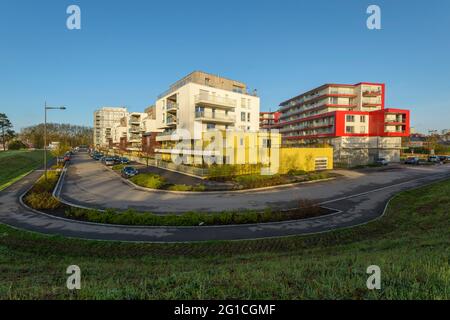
[
  {"x": 172, "y": 107},
  {"x": 214, "y": 117},
  {"x": 219, "y": 101}
]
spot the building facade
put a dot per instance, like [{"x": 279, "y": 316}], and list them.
[
  {"x": 351, "y": 118},
  {"x": 269, "y": 120},
  {"x": 200, "y": 103},
  {"x": 105, "y": 120}
]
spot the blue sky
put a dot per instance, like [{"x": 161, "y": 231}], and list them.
[{"x": 128, "y": 52}]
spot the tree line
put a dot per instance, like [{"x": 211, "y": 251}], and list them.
[{"x": 65, "y": 134}]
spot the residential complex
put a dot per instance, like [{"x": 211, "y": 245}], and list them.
[
  {"x": 351, "y": 118},
  {"x": 105, "y": 120},
  {"x": 269, "y": 120},
  {"x": 200, "y": 103},
  {"x": 116, "y": 127},
  {"x": 203, "y": 108}
]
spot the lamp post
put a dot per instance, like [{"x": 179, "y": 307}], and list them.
[{"x": 45, "y": 133}]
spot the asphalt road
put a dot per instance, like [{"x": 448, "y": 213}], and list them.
[
  {"x": 89, "y": 183},
  {"x": 371, "y": 191}
]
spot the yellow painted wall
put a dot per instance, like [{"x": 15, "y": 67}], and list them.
[{"x": 303, "y": 158}]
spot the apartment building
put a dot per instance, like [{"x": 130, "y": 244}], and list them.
[
  {"x": 105, "y": 120},
  {"x": 269, "y": 120},
  {"x": 201, "y": 102},
  {"x": 351, "y": 118}
]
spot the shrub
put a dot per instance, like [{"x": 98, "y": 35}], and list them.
[
  {"x": 131, "y": 217},
  {"x": 184, "y": 187},
  {"x": 149, "y": 180},
  {"x": 17, "y": 145},
  {"x": 295, "y": 172},
  {"x": 118, "y": 167},
  {"x": 43, "y": 200},
  {"x": 258, "y": 181}
]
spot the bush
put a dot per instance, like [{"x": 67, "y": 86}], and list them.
[
  {"x": 149, "y": 180},
  {"x": 258, "y": 181},
  {"x": 17, "y": 145},
  {"x": 44, "y": 200},
  {"x": 184, "y": 187},
  {"x": 118, "y": 167},
  {"x": 295, "y": 172},
  {"x": 131, "y": 217}
]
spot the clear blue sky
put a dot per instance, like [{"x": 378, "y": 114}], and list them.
[{"x": 130, "y": 51}]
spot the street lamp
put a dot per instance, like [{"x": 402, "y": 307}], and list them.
[{"x": 45, "y": 134}]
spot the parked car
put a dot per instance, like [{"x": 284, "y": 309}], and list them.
[
  {"x": 382, "y": 161},
  {"x": 443, "y": 158},
  {"x": 433, "y": 159},
  {"x": 128, "y": 172},
  {"x": 116, "y": 159},
  {"x": 124, "y": 160},
  {"x": 412, "y": 160},
  {"x": 109, "y": 161}
]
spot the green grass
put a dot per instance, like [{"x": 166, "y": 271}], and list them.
[
  {"x": 411, "y": 245},
  {"x": 148, "y": 180},
  {"x": 17, "y": 163}
]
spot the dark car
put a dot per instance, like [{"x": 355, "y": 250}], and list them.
[
  {"x": 443, "y": 158},
  {"x": 128, "y": 172},
  {"x": 97, "y": 156},
  {"x": 382, "y": 161},
  {"x": 124, "y": 160},
  {"x": 412, "y": 160},
  {"x": 116, "y": 159}
]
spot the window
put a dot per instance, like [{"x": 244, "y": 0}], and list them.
[
  {"x": 242, "y": 116},
  {"x": 362, "y": 119},
  {"x": 243, "y": 103},
  {"x": 350, "y": 118},
  {"x": 334, "y": 100},
  {"x": 362, "y": 129},
  {"x": 248, "y": 117},
  {"x": 210, "y": 126},
  {"x": 241, "y": 141},
  {"x": 349, "y": 129}
]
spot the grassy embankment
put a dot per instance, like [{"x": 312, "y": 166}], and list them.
[
  {"x": 15, "y": 164},
  {"x": 410, "y": 243}
]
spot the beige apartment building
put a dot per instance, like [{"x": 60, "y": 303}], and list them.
[{"x": 200, "y": 103}]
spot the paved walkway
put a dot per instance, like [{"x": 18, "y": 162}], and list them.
[{"x": 356, "y": 209}]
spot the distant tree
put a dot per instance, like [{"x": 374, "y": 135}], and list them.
[
  {"x": 16, "y": 145},
  {"x": 6, "y": 129},
  {"x": 65, "y": 134}
]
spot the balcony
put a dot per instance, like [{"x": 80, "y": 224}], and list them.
[
  {"x": 172, "y": 107},
  {"x": 136, "y": 129},
  {"x": 372, "y": 93},
  {"x": 214, "y": 117},
  {"x": 210, "y": 100}
]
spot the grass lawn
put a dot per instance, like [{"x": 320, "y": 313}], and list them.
[
  {"x": 411, "y": 244},
  {"x": 15, "y": 164}
]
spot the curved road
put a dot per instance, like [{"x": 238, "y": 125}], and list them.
[{"x": 360, "y": 198}]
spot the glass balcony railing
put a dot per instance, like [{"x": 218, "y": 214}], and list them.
[
  {"x": 214, "y": 117},
  {"x": 215, "y": 100}
]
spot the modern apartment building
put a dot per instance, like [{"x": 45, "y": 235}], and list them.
[
  {"x": 202, "y": 102},
  {"x": 269, "y": 120},
  {"x": 105, "y": 120},
  {"x": 118, "y": 127},
  {"x": 351, "y": 118}
]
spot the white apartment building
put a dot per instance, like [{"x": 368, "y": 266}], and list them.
[
  {"x": 105, "y": 120},
  {"x": 202, "y": 102}
]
